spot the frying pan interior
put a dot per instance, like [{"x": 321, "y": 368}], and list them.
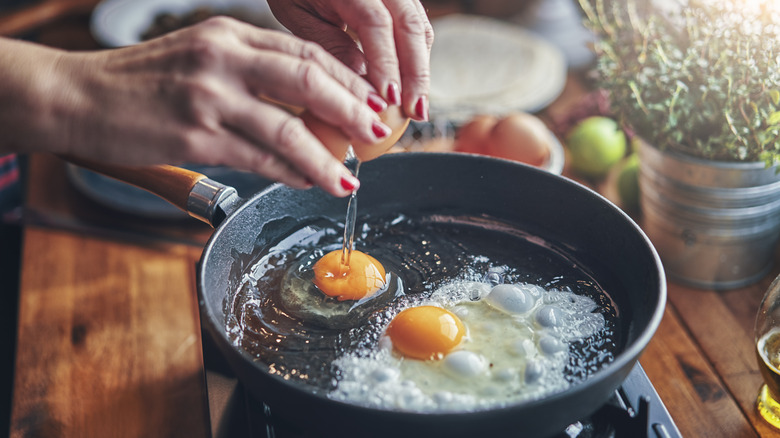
[{"x": 592, "y": 231}]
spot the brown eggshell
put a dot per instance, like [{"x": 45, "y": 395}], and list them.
[
  {"x": 332, "y": 137},
  {"x": 397, "y": 122},
  {"x": 442, "y": 144},
  {"x": 473, "y": 136},
  {"x": 520, "y": 137},
  {"x": 338, "y": 143}
]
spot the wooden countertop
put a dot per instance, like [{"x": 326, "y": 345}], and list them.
[{"x": 109, "y": 341}]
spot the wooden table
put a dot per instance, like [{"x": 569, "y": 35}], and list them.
[{"x": 109, "y": 341}]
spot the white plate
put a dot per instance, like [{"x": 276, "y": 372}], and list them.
[
  {"x": 481, "y": 65},
  {"x": 118, "y": 23}
]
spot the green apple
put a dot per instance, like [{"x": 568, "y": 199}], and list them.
[
  {"x": 595, "y": 145},
  {"x": 628, "y": 182}
]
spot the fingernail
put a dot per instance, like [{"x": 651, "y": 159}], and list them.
[
  {"x": 380, "y": 129},
  {"x": 393, "y": 94},
  {"x": 376, "y": 102},
  {"x": 421, "y": 108},
  {"x": 308, "y": 183},
  {"x": 350, "y": 183}
]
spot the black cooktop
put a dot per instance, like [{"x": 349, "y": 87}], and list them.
[{"x": 634, "y": 410}]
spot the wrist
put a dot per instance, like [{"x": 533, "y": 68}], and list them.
[{"x": 38, "y": 92}]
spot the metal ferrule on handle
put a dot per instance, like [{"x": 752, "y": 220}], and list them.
[{"x": 210, "y": 201}]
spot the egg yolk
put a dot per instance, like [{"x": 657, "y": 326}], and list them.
[
  {"x": 425, "y": 332},
  {"x": 363, "y": 277}
]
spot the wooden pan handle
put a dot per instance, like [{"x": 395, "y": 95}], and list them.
[{"x": 168, "y": 182}]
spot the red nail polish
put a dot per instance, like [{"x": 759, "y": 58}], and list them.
[
  {"x": 380, "y": 129},
  {"x": 349, "y": 183},
  {"x": 393, "y": 94},
  {"x": 421, "y": 108},
  {"x": 376, "y": 103}
]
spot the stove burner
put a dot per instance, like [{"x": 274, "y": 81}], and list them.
[{"x": 634, "y": 410}]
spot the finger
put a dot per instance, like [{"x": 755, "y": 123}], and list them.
[
  {"x": 239, "y": 153},
  {"x": 414, "y": 38},
  {"x": 351, "y": 117},
  {"x": 305, "y": 83},
  {"x": 287, "y": 137},
  {"x": 373, "y": 24},
  {"x": 335, "y": 38},
  {"x": 429, "y": 35},
  {"x": 226, "y": 146},
  {"x": 326, "y": 31}
]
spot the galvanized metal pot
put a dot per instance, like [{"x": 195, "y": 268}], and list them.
[{"x": 715, "y": 224}]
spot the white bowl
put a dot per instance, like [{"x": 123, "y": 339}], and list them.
[{"x": 118, "y": 23}]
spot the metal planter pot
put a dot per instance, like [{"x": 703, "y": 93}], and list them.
[{"x": 715, "y": 224}]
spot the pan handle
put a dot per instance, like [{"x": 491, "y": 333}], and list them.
[{"x": 193, "y": 192}]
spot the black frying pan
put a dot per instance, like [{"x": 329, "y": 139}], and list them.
[{"x": 592, "y": 230}]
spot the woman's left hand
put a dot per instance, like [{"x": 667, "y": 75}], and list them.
[{"x": 395, "y": 37}]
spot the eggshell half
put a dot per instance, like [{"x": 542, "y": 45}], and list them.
[{"x": 338, "y": 143}]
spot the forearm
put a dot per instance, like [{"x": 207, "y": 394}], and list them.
[{"x": 33, "y": 99}]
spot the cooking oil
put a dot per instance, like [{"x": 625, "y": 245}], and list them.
[{"x": 421, "y": 253}]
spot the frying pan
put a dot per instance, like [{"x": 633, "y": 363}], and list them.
[{"x": 595, "y": 233}]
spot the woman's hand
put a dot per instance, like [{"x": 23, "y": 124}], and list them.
[
  {"x": 395, "y": 36},
  {"x": 190, "y": 96}
]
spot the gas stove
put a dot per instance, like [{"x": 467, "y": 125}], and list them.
[{"x": 634, "y": 410}]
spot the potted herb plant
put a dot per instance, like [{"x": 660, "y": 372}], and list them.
[{"x": 699, "y": 85}]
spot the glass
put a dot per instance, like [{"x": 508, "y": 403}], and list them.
[{"x": 767, "y": 332}]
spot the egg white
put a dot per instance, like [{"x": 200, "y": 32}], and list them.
[{"x": 516, "y": 348}]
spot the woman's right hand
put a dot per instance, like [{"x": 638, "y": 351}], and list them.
[{"x": 191, "y": 96}]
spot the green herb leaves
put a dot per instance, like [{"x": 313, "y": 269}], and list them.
[{"x": 703, "y": 80}]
